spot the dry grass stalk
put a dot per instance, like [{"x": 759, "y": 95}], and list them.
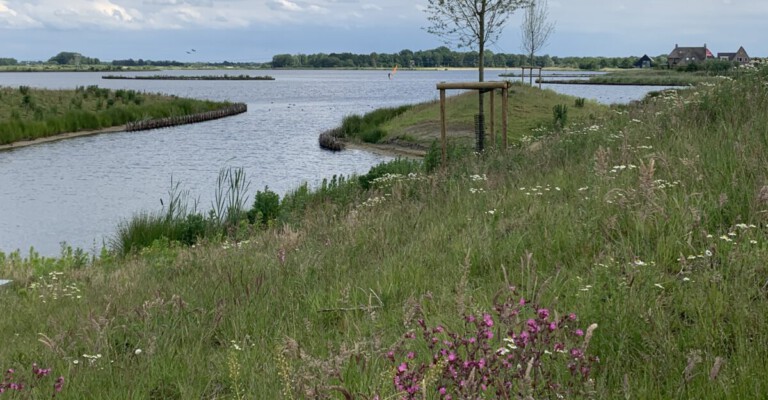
[
  {"x": 588, "y": 335},
  {"x": 411, "y": 312},
  {"x": 715, "y": 371},
  {"x": 694, "y": 358},
  {"x": 601, "y": 161},
  {"x": 625, "y": 387},
  {"x": 762, "y": 196},
  {"x": 722, "y": 200},
  {"x": 647, "y": 172},
  {"x": 461, "y": 287}
]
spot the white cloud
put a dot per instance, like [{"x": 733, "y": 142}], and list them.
[{"x": 194, "y": 14}]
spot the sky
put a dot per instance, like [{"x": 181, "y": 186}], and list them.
[{"x": 255, "y": 30}]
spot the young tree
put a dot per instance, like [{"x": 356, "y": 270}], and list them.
[
  {"x": 536, "y": 29},
  {"x": 474, "y": 24}
]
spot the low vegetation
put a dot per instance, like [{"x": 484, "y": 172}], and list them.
[
  {"x": 648, "y": 78},
  {"x": 28, "y": 113},
  {"x": 366, "y": 128},
  {"x": 622, "y": 256}
]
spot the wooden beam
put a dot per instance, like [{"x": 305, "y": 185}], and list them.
[
  {"x": 443, "y": 138},
  {"x": 471, "y": 85}
]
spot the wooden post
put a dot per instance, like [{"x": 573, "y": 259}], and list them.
[
  {"x": 442, "y": 126},
  {"x": 493, "y": 111},
  {"x": 504, "y": 111},
  {"x": 539, "y": 77},
  {"x": 522, "y": 77}
]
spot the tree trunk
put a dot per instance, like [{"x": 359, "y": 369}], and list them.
[{"x": 480, "y": 127}]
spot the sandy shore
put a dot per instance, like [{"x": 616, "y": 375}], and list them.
[{"x": 61, "y": 136}]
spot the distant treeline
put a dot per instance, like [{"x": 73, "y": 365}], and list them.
[
  {"x": 8, "y": 61},
  {"x": 443, "y": 57},
  {"x": 140, "y": 63}
]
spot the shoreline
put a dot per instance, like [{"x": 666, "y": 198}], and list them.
[
  {"x": 60, "y": 136},
  {"x": 386, "y": 149}
]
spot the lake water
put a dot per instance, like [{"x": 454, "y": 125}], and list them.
[{"x": 79, "y": 190}]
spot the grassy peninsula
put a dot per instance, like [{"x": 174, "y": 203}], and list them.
[
  {"x": 413, "y": 129},
  {"x": 635, "y": 242},
  {"x": 28, "y": 113}
]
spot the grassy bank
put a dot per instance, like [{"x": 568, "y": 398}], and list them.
[
  {"x": 648, "y": 221},
  {"x": 28, "y": 113},
  {"x": 642, "y": 78}
]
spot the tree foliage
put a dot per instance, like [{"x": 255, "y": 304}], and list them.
[
  {"x": 471, "y": 23},
  {"x": 443, "y": 57},
  {"x": 70, "y": 58},
  {"x": 536, "y": 28}
]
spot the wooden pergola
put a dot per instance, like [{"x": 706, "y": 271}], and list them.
[{"x": 483, "y": 87}]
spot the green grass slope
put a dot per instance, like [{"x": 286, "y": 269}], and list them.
[
  {"x": 649, "y": 222},
  {"x": 530, "y": 109}
]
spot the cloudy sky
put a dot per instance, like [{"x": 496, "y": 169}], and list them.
[{"x": 254, "y": 30}]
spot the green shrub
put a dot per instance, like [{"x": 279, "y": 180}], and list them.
[
  {"x": 192, "y": 228},
  {"x": 266, "y": 207},
  {"x": 580, "y": 102},
  {"x": 560, "y": 116},
  {"x": 373, "y": 135}
]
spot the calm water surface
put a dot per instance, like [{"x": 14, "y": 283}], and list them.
[{"x": 79, "y": 190}]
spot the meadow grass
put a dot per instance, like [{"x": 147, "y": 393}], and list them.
[
  {"x": 28, "y": 113},
  {"x": 648, "y": 221}
]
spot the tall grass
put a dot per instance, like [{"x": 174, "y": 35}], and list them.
[
  {"x": 368, "y": 127},
  {"x": 647, "y": 224}
]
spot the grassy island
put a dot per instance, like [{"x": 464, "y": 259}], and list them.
[
  {"x": 641, "y": 78},
  {"x": 619, "y": 255},
  {"x": 28, "y": 113},
  {"x": 193, "y": 77}
]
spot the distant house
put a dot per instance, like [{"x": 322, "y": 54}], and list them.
[
  {"x": 682, "y": 56},
  {"x": 740, "y": 56},
  {"x": 644, "y": 62}
]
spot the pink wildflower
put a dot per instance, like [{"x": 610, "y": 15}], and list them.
[{"x": 552, "y": 326}]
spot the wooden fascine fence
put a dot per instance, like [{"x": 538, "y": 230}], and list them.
[
  {"x": 481, "y": 86},
  {"x": 142, "y": 125}
]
